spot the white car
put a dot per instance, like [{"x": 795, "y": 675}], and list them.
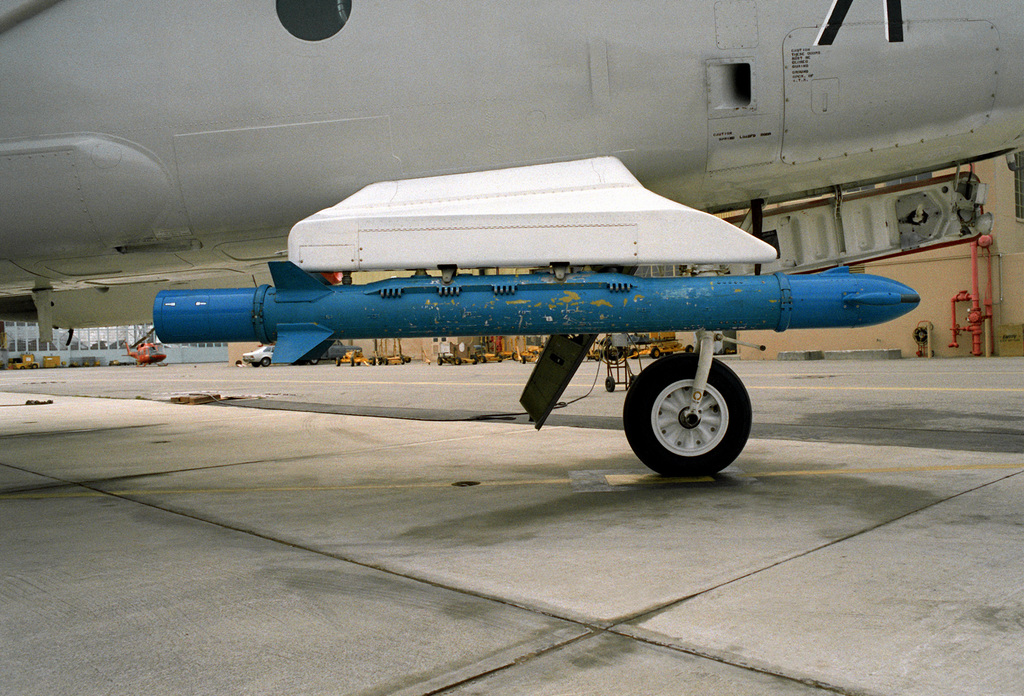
[{"x": 262, "y": 356}]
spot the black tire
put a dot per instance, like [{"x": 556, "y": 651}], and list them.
[
  {"x": 609, "y": 384},
  {"x": 265, "y": 362},
  {"x": 655, "y": 353},
  {"x": 706, "y": 448},
  {"x": 314, "y": 361}
]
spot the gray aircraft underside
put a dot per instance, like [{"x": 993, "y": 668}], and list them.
[{"x": 151, "y": 143}]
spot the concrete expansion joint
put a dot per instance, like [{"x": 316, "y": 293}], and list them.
[
  {"x": 733, "y": 660},
  {"x": 448, "y": 573},
  {"x": 649, "y": 613},
  {"x": 590, "y": 629},
  {"x": 523, "y": 659},
  {"x": 622, "y": 627}
]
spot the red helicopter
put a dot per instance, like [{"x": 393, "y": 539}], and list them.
[{"x": 147, "y": 353}]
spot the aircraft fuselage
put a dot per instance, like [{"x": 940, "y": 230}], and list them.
[{"x": 154, "y": 139}]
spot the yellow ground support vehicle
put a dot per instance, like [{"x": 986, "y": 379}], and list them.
[
  {"x": 26, "y": 361},
  {"x": 389, "y": 352},
  {"x": 478, "y": 354},
  {"x": 448, "y": 359},
  {"x": 666, "y": 344},
  {"x": 521, "y": 351},
  {"x": 353, "y": 358},
  {"x": 529, "y": 354},
  {"x": 391, "y": 360}
]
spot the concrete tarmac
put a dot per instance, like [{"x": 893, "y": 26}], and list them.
[{"x": 402, "y": 530}]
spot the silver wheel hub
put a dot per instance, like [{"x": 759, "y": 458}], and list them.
[{"x": 694, "y": 432}]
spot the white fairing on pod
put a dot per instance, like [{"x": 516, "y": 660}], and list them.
[{"x": 587, "y": 212}]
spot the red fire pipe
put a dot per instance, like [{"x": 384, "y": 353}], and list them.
[
  {"x": 975, "y": 317},
  {"x": 986, "y": 242}
]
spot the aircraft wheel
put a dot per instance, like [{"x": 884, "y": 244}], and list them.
[
  {"x": 673, "y": 445},
  {"x": 265, "y": 362}
]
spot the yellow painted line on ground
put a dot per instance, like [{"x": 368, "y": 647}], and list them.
[
  {"x": 394, "y": 383},
  {"x": 612, "y": 479},
  {"x": 886, "y": 470},
  {"x": 824, "y": 387},
  {"x": 41, "y": 495},
  {"x": 255, "y": 382},
  {"x": 652, "y": 480},
  {"x": 840, "y": 373},
  {"x": 461, "y": 438}
]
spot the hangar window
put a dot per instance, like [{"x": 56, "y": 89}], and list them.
[{"x": 313, "y": 20}]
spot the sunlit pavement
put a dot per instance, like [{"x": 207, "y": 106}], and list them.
[{"x": 865, "y": 542}]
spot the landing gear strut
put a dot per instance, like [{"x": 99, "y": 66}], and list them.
[{"x": 687, "y": 416}]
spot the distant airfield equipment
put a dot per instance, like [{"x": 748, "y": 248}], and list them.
[
  {"x": 386, "y": 351},
  {"x": 448, "y": 359},
  {"x": 25, "y": 361},
  {"x": 352, "y": 358},
  {"x": 144, "y": 351}
]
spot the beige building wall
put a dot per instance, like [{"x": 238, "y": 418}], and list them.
[
  {"x": 236, "y": 350},
  {"x": 937, "y": 276}
]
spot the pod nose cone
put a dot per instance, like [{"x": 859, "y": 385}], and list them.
[{"x": 838, "y": 298}]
